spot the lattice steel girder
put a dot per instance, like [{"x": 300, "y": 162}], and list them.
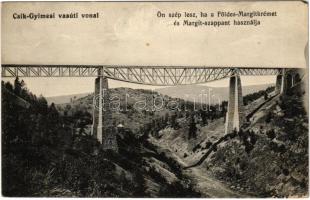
[
  {"x": 149, "y": 75},
  {"x": 258, "y": 72}
]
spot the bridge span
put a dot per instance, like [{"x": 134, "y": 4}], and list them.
[
  {"x": 102, "y": 128},
  {"x": 147, "y": 75}
]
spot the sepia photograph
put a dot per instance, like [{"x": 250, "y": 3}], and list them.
[{"x": 155, "y": 99}]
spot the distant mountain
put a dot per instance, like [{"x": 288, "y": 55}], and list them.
[
  {"x": 65, "y": 98},
  {"x": 131, "y": 107},
  {"x": 186, "y": 92},
  {"x": 197, "y": 92}
]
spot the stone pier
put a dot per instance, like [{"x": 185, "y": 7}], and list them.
[
  {"x": 282, "y": 82},
  {"x": 291, "y": 77},
  {"x": 278, "y": 89},
  {"x": 234, "y": 116},
  {"x": 102, "y": 128}
]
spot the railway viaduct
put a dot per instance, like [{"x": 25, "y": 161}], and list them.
[{"x": 102, "y": 128}]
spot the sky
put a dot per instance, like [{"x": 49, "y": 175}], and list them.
[{"x": 132, "y": 34}]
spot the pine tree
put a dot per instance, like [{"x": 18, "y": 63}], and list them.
[
  {"x": 204, "y": 116},
  {"x": 17, "y": 86},
  {"x": 192, "y": 128},
  {"x": 265, "y": 95},
  {"x": 173, "y": 121}
]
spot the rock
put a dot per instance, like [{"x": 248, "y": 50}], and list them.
[
  {"x": 297, "y": 176},
  {"x": 281, "y": 177}
]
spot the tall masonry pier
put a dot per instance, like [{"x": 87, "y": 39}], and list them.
[
  {"x": 102, "y": 128},
  {"x": 234, "y": 115},
  {"x": 281, "y": 85}
]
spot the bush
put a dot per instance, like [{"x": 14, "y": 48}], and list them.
[
  {"x": 271, "y": 134},
  {"x": 253, "y": 139},
  {"x": 248, "y": 147},
  {"x": 268, "y": 117},
  {"x": 158, "y": 177},
  {"x": 196, "y": 147},
  {"x": 285, "y": 172},
  {"x": 214, "y": 148},
  {"x": 208, "y": 145},
  {"x": 179, "y": 189}
]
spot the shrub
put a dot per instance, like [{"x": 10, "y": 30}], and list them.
[
  {"x": 285, "y": 171},
  {"x": 271, "y": 134},
  {"x": 196, "y": 147},
  {"x": 178, "y": 189},
  {"x": 208, "y": 145},
  {"x": 268, "y": 117}
]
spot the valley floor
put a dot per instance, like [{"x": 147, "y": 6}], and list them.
[{"x": 204, "y": 182}]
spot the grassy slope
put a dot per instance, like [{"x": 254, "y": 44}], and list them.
[
  {"x": 275, "y": 166},
  {"x": 278, "y": 164}
]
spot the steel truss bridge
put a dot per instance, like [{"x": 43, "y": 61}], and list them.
[{"x": 147, "y": 75}]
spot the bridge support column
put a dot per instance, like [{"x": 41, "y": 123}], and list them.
[
  {"x": 234, "y": 115},
  {"x": 102, "y": 128},
  {"x": 285, "y": 83},
  {"x": 279, "y": 83}
]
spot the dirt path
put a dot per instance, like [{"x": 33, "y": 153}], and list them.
[{"x": 207, "y": 185}]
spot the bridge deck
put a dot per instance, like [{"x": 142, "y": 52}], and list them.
[{"x": 148, "y": 75}]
